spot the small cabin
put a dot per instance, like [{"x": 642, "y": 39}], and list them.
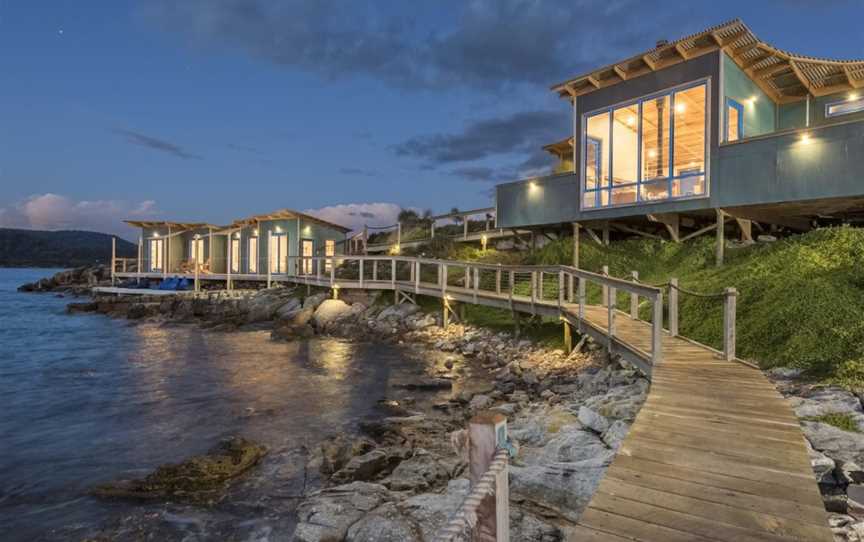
[{"x": 710, "y": 127}]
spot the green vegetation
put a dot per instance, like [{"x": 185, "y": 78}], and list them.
[
  {"x": 841, "y": 421},
  {"x": 31, "y": 248},
  {"x": 800, "y": 304}
]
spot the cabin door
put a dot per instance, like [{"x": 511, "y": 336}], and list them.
[
  {"x": 253, "y": 254},
  {"x": 196, "y": 252},
  {"x": 156, "y": 255},
  {"x": 278, "y": 252},
  {"x": 308, "y": 251}
]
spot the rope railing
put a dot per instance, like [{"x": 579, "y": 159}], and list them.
[{"x": 463, "y": 523}]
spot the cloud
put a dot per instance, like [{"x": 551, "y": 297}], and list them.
[
  {"x": 521, "y": 132},
  {"x": 486, "y": 44},
  {"x": 137, "y": 138},
  {"x": 58, "y": 212},
  {"x": 355, "y": 215},
  {"x": 358, "y": 171}
]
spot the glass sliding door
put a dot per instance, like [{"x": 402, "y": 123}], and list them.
[
  {"x": 278, "y": 252},
  {"x": 308, "y": 251},
  {"x": 253, "y": 254},
  {"x": 235, "y": 254},
  {"x": 651, "y": 149},
  {"x": 156, "y": 255}
]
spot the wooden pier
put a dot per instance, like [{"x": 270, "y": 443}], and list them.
[{"x": 715, "y": 454}]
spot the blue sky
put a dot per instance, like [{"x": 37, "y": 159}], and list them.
[{"x": 212, "y": 109}]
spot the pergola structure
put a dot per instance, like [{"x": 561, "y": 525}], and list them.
[
  {"x": 284, "y": 214},
  {"x": 785, "y": 77}
]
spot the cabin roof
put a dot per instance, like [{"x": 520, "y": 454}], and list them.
[
  {"x": 560, "y": 148},
  {"x": 784, "y": 76},
  {"x": 285, "y": 214},
  {"x": 170, "y": 224}
]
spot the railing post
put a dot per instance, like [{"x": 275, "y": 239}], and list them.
[
  {"x": 487, "y": 432},
  {"x": 365, "y": 239},
  {"x": 605, "y": 293},
  {"x": 432, "y": 228},
  {"x": 657, "y": 330},
  {"x": 476, "y": 282},
  {"x": 540, "y": 285},
  {"x": 362, "y": 262},
  {"x": 560, "y": 288},
  {"x": 498, "y": 280},
  {"x": 374, "y": 270},
  {"x": 511, "y": 280},
  {"x": 197, "y": 277},
  {"x": 332, "y": 272},
  {"x": 581, "y": 294},
  {"x": 673, "y": 307},
  {"x": 416, "y": 268},
  {"x": 393, "y": 273},
  {"x": 729, "y": 307},
  {"x": 570, "y": 294},
  {"x": 465, "y": 227},
  {"x": 634, "y": 299},
  {"x": 399, "y": 236},
  {"x": 533, "y": 287},
  {"x": 443, "y": 273},
  {"x": 610, "y": 316}
]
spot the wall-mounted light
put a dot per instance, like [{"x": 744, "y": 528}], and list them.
[
  {"x": 805, "y": 138},
  {"x": 155, "y": 234},
  {"x": 853, "y": 96},
  {"x": 196, "y": 236},
  {"x": 278, "y": 229},
  {"x": 255, "y": 231},
  {"x": 307, "y": 229},
  {"x": 237, "y": 235},
  {"x": 752, "y": 101}
]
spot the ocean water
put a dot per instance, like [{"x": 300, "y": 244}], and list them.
[{"x": 86, "y": 399}]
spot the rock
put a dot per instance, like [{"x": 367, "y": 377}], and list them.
[
  {"x": 784, "y": 373},
  {"x": 616, "y": 434},
  {"x": 426, "y": 384},
  {"x": 199, "y": 479},
  {"x": 849, "y": 472},
  {"x": 81, "y": 307},
  {"x": 398, "y": 312},
  {"x": 363, "y": 468},
  {"x": 338, "y": 450},
  {"x": 834, "y": 442},
  {"x": 855, "y": 501},
  {"x": 823, "y": 468},
  {"x": 508, "y": 409},
  {"x": 591, "y": 419},
  {"x": 328, "y": 312},
  {"x": 384, "y": 524},
  {"x": 526, "y": 527},
  {"x": 764, "y": 238},
  {"x": 479, "y": 402},
  {"x": 288, "y": 309},
  {"x": 432, "y": 510},
  {"x": 263, "y": 305},
  {"x": 313, "y": 301},
  {"x": 418, "y": 473},
  {"x": 826, "y": 401},
  {"x": 327, "y": 515},
  {"x": 565, "y": 488}
]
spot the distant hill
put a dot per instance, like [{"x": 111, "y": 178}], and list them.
[{"x": 31, "y": 248}]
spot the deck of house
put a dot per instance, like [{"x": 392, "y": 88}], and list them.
[{"x": 716, "y": 453}]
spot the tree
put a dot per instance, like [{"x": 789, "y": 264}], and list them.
[
  {"x": 408, "y": 217},
  {"x": 456, "y": 219}
]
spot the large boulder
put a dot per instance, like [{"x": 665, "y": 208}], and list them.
[
  {"x": 200, "y": 479},
  {"x": 330, "y": 311},
  {"x": 313, "y": 301},
  {"x": 593, "y": 420},
  {"x": 327, "y": 514},
  {"x": 289, "y": 309},
  {"x": 418, "y": 473},
  {"x": 565, "y": 488},
  {"x": 826, "y": 401},
  {"x": 834, "y": 442},
  {"x": 385, "y": 524},
  {"x": 431, "y": 511},
  {"x": 368, "y": 466}
]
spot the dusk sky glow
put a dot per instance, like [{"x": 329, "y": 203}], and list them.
[{"x": 212, "y": 110}]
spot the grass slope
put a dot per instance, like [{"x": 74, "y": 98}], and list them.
[{"x": 801, "y": 299}]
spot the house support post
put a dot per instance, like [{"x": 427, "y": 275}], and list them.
[
  {"x": 568, "y": 337},
  {"x": 113, "y": 259},
  {"x": 576, "y": 245},
  {"x": 746, "y": 227},
  {"x": 721, "y": 237},
  {"x": 606, "y": 234}
]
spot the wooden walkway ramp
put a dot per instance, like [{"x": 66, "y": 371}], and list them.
[{"x": 716, "y": 453}]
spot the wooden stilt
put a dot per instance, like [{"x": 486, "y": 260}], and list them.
[
  {"x": 721, "y": 236},
  {"x": 606, "y": 233},
  {"x": 568, "y": 337}
]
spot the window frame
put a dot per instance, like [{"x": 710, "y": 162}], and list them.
[
  {"x": 829, "y": 105},
  {"x": 738, "y": 106},
  {"x": 671, "y": 178}
]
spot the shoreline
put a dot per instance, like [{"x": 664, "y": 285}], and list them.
[{"x": 561, "y": 411}]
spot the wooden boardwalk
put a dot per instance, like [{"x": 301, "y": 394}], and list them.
[{"x": 716, "y": 453}]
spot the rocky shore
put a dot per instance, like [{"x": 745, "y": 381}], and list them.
[
  {"x": 77, "y": 281},
  {"x": 400, "y": 479}
]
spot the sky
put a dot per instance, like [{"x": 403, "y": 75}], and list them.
[{"x": 213, "y": 110}]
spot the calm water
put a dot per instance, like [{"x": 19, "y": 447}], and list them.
[{"x": 86, "y": 399}]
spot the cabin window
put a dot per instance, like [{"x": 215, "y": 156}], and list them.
[
  {"x": 846, "y": 107},
  {"x": 734, "y": 129},
  {"x": 196, "y": 251},
  {"x": 253, "y": 254},
  {"x": 308, "y": 251},
  {"x": 329, "y": 252},
  {"x": 235, "y": 255},
  {"x": 651, "y": 149},
  {"x": 156, "y": 255}
]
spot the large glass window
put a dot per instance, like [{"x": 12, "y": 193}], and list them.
[
  {"x": 846, "y": 107},
  {"x": 734, "y": 120},
  {"x": 653, "y": 149}
]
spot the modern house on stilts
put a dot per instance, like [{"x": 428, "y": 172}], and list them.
[{"x": 715, "y": 132}]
